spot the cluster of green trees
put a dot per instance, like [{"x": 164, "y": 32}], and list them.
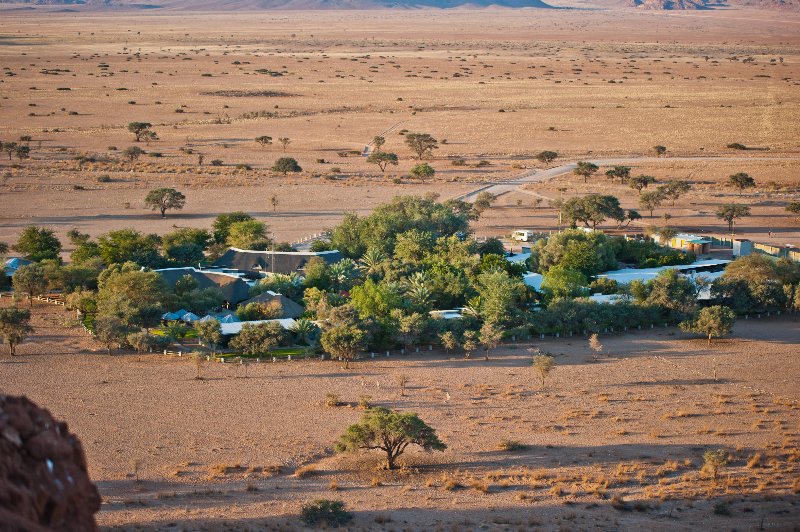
[
  {"x": 20, "y": 149},
  {"x": 590, "y": 253},
  {"x": 406, "y": 258},
  {"x": 182, "y": 247}
]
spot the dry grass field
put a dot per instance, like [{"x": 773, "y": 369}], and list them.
[
  {"x": 610, "y": 444},
  {"x": 496, "y": 85}
]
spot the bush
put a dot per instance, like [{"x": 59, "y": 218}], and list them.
[
  {"x": 458, "y": 162},
  {"x": 105, "y": 178},
  {"x": 737, "y": 146},
  {"x": 511, "y": 445},
  {"x": 325, "y": 512},
  {"x": 216, "y": 162}
]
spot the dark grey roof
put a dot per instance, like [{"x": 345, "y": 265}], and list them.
[
  {"x": 246, "y": 260},
  {"x": 233, "y": 288},
  {"x": 289, "y": 309}
]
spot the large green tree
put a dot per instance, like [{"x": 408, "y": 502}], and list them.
[
  {"x": 258, "y": 338},
  {"x": 343, "y": 341},
  {"x": 139, "y": 128},
  {"x": 164, "y": 199},
  {"x": 592, "y": 210},
  {"x": 731, "y": 212},
  {"x": 248, "y": 234},
  {"x": 284, "y": 165},
  {"x": 38, "y": 243},
  {"x": 741, "y": 181},
  {"x": 585, "y": 170},
  {"x": 129, "y": 245},
  {"x": 30, "y": 280},
  {"x": 715, "y": 321},
  {"x": 422, "y": 144},
  {"x": 390, "y": 432},
  {"x": 382, "y": 159},
  {"x": 422, "y": 171}
]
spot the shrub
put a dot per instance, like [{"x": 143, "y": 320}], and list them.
[
  {"x": 511, "y": 445},
  {"x": 736, "y": 146},
  {"x": 105, "y": 178},
  {"x": 325, "y": 512},
  {"x": 216, "y": 162}
]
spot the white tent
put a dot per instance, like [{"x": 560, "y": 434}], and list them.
[{"x": 190, "y": 317}]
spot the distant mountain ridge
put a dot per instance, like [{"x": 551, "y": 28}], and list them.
[
  {"x": 263, "y": 5},
  {"x": 259, "y": 5},
  {"x": 679, "y": 5}
]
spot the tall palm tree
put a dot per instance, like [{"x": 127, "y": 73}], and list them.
[
  {"x": 371, "y": 263},
  {"x": 304, "y": 329}
]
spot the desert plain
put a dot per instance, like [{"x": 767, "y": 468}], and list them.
[{"x": 612, "y": 442}]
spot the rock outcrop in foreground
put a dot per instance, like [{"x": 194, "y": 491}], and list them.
[{"x": 44, "y": 482}]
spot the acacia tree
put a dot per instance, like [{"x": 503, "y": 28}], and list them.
[
  {"x": 264, "y": 140},
  {"x": 794, "y": 208},
  {"x": 641, "y": 182},
  {"x": 14, "y": 327},
  {"x": 133, "y": 153},
  {"x": 390, "y": 432},
  {"x": 9, "y": 148},
  {"x": 650, "y": 201},
  {"x": 422, "y": 171},
  {"x": 382, "y": 159},
  {"x": 163, "y": 199},
  {"x": 547, "y": 157},
  {"x": 714, "y": 460},
  {"x": 619, "y": 172},
  {"x": 715, "y": 321},
  {"x": 585, "y": 170},
  {"x": 731, "y": 212},
  {"x": 543, "y": 363},
  {"x": 30, "y": 280},
  {"x": 22, "y": 152},
  {"x": 674, "y": 189},
  {"x": 139, "y": 128},
  {"x": 659, "y": 150},
  {"x": 422, "y": 144},
  {"x": 741, "y": 181},
  {"x": 378, "y": 141},
  {"x": 284, "y": 165},
  {"x": 592, "y": 210},
  {"x": 285, "y": 141}
]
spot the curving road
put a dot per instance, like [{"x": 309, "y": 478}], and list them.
[{"x": 537, "y": 175}]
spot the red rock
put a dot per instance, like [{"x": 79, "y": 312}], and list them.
[{"x": 44, "y": 482}]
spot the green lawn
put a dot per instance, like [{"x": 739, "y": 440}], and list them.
[{"x": 280, "y": 352}]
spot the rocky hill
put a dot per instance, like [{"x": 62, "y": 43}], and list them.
[{"x": 258, "y": 5}]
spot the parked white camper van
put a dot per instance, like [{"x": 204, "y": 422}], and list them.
[{"x": 522, "y": 235}]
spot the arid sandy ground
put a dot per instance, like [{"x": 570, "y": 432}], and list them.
[
  {"x": 633, "y": 424},
  {"x": 582, "y": 83},
  {"x": 222, "y": 452}
]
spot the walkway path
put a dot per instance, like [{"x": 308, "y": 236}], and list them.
[{"x": 538, "y": 175}]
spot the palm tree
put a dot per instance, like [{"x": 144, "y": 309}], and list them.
[
  {"x": 418, "y": 290},
  {"x": 304, "y": 328},
  {"x": 371, "y": 262}
]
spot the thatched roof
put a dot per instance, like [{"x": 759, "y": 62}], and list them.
[
  {"x": 289, "y": 309},
  {"x": 233, "y": 288},
  {"x": 246, "y": 260}
]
